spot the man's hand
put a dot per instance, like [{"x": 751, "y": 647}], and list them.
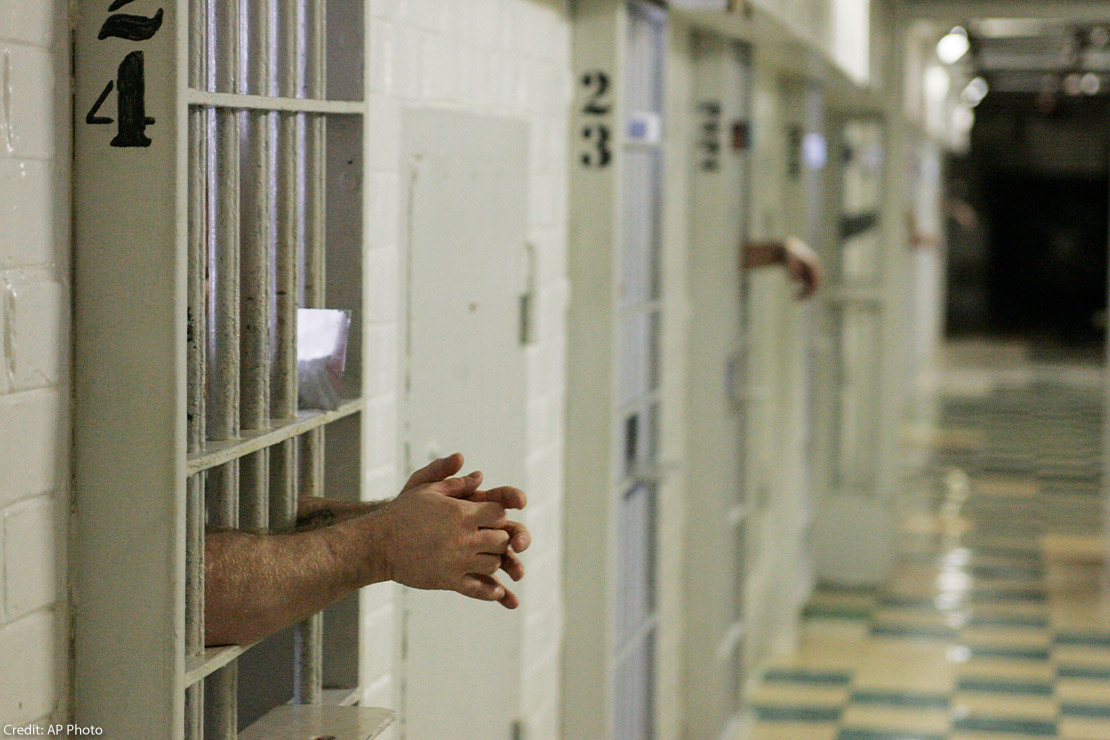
[
  {"x": 509, "y": 497},
  {"x": 501, "y": 538},
  {"x": 440, "y": 532},
  {"x": 803, "y": 266}
]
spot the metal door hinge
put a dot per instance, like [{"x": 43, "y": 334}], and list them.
[
  {"x": 528, "y": 296},
  {"x": 527, "y": 319}
]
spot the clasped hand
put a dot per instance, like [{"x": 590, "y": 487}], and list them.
[{"x": 446, "y": 533}]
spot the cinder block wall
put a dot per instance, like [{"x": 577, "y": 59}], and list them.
[
  {"x": 34, "y": 358},
  {"x": 493, "y": 57}
]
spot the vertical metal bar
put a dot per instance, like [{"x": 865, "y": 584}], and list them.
[
  {"x": 254, "y": 505},
  {"x": 198, "y": 226},
  {"x": 197, "y": 361},
  {"x": 221, "y": 710},
  {"x": 310, "y": 633},
  {"x": 289, "y": 227},
  {"x": 197, "y": 337},
  {"x": 194, "y": 567},
  {"x": 224, "y": 379},
  {"x": 223, "y": 416},
  {"x": 223, "y": 386},
  {"x": 315, "y": 265},
  {"x": 283, "y": 389},
  {"x": 194, "y": 712},
  {"x": 308, "y": 669}
]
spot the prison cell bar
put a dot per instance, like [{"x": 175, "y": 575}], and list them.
[
  {"x": 220, "y": 96},
  {"x": 220, "y": 692},
  {"x": 254, "y": 503},
  {"x": 308, "y": 688},
  {"x": 274, "y": 103},
  {"x": 290, "y": 238},
  {"x": 197, "y": 357},
  {"x": 284, "y": 369}
]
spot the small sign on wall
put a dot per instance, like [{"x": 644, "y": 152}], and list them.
[{"x": 645, "y": 128}]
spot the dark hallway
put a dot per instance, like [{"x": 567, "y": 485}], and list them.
[{"x": 1027, "y": 221}]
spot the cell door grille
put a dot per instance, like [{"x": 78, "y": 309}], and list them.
[
  {"x": 639, "y": 398},
  {"x": 258, "y": 197},
  {"x": 857, "y": 314}
]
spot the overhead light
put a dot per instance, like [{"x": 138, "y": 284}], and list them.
[
  {"x": 1090, "y": 84},
  {"x": 975, "y": 91},
  {"x": 953, "y": 46},
  {"x": 937, "y": 82},
  {"x": 1073, "y": 84},
  {"x": 815, "y": 151}
]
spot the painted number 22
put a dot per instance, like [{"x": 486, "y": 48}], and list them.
[{"x": 596, "y": 129}]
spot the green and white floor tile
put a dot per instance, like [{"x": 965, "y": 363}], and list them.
[{"x": 996, "y": 625}]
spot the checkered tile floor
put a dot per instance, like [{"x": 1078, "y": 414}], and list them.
[{"x": 996, "y": 624}]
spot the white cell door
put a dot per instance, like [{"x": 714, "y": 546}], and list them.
[{"x": 465, "y": 223}]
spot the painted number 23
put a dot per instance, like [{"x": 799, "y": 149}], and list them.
[{"x": 596, "y": 110}]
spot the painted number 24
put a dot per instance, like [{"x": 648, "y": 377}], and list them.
[{"x": 130, "y": 84}]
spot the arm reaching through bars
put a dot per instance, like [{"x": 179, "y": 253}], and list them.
[
  {"x": 440, "y": 532},
  {"x": 802, "y": 264}
]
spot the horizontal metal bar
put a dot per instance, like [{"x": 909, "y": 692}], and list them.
[
  {"x": 647, "y": 627},
  {"x": 222, "y": 452},
  {"x": 732, "y": 637},
  {"x": 341, "y": 697},
  {"x": 297, "y": 722},
  {"x": 199, "y": 667},
  {"x": 266, "y": 103}
]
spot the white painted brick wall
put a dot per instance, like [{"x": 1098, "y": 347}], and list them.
[
  {"x": 29, "y": 683},
  {"x": 30, "y": 556},
  {"x": 36, "y": 325},
  {"x": 499, "y": 57},
  {"x": 26, "y": 228},
  {"x": 34, "y": 358}
]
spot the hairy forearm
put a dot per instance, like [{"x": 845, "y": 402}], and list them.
[
  {"x": 762, "y": 254},
  {"x": 314, "y": 511},
  {"x": 257, "y": 584}
]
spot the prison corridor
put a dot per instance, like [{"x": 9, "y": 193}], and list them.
[{"x": 996, "y": 622}]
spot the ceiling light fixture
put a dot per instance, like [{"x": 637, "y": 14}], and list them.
[
  {"x": 1073, "y": 84},
  {"x": 953, "y": 46},
  {"x": 975, "y": 91}
]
